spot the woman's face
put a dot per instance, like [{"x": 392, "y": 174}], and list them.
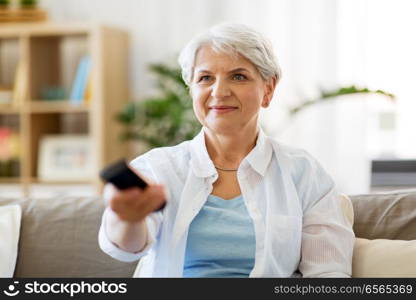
[{"x": 228, "y": 91}]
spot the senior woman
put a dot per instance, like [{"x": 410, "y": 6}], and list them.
[{"x": 239, "y": 204}]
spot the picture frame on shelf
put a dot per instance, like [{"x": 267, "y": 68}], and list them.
[
  {"x": 6, "y": 95},
  {"x": 65, "y": 158}
]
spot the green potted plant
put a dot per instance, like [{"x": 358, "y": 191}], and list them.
[{"x": 166, "y": 119}]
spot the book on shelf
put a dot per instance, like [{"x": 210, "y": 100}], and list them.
[
  {"x": 88, "y": 89},
  {"x": 80, "y": 84}
]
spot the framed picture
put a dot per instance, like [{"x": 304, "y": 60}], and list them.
[{"x": 65, "y": 157}]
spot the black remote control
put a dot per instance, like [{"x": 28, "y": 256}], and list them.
[{"x": 123, "y": 177}]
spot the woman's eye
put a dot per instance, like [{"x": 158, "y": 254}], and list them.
[
  {"x": 239, "y": 77},
  {"x": 204, "y": 78}
]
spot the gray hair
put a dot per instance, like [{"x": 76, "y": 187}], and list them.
[{"x": 232, "y": 39}]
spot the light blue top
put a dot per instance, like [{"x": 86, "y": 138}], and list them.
[{"x": 221, "y": 240}]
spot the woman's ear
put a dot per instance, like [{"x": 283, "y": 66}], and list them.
[{"x": 270, "y": 86}]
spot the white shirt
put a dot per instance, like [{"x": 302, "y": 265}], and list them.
[{"x": 297, "y": 216}]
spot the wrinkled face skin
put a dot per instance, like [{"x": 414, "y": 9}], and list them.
[{"x": 228, "y": 91}]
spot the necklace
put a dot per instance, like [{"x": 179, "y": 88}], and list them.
[{"x": 228, "y": 170}]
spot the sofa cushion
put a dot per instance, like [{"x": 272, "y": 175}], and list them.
[
  {"x": 10, "y": 218},
  {"x": 384, "y": 258},
  {"x": 385, "y": 216},
  {"x": 59, "y": 238}
]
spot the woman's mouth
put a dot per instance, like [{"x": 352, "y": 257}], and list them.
[{"x": 223, "y": 109}]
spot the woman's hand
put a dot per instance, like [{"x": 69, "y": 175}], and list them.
[
  {"x": 134, "y": 204},
  {"x": 125, "y": 225}
]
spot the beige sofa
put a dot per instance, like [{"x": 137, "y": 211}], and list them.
[{"x": 58, "y": 237}]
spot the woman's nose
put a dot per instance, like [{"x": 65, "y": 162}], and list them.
[{"x": 220, "y": 89}]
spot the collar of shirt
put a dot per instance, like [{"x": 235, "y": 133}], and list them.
[{"x": 202, "y": 165}]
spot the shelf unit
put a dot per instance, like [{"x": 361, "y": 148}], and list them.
[{"x": 51, "y": 53}]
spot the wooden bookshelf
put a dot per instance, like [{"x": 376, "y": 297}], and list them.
[
  {"x": 50, "y": 54},
  {"x": 62, "y": 106},
  {"x": 8, "y": 109},
  {"x": 22, "y": 15},
  {"x": 9, "y": 180}
]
